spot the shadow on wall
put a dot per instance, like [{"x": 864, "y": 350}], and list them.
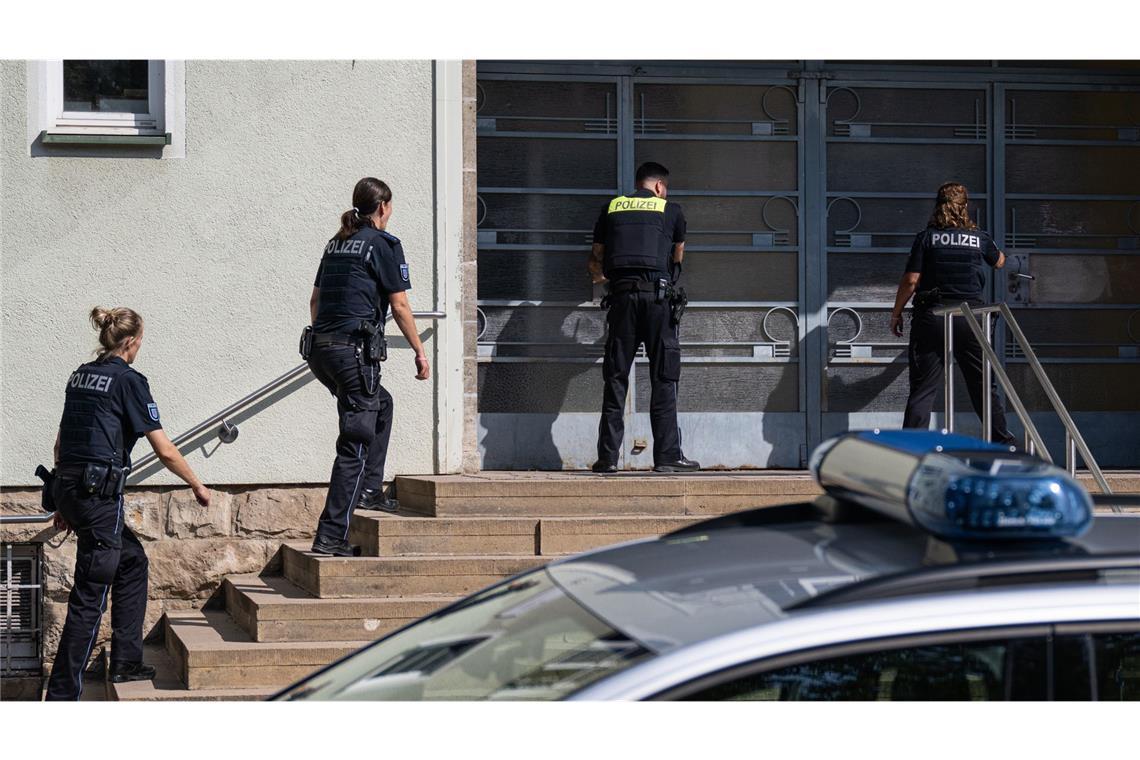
[
  {"x": 208, "y": 440},
  {"x": 533, "y": 393}
]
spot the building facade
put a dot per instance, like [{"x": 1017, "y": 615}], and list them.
[{"x": 804, "y": 184}]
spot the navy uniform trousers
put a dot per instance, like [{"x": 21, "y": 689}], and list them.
[
  {"x": 365, "y": 411},
  {"x": 636, "y": 317},
  {"x": 925, "y": 355},
  {"x": 109, "y": 562}
]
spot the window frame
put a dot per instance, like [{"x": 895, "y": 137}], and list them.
[
  {"x": 64, "y": 122},
  {"x": 869, "y": 646}
]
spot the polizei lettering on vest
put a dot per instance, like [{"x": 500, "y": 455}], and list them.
[
  {"x": 86, "y": 381},
  {"x": 344, "y": 248},
  {"x": 624, "y": 203},
  {"x": 956, "y": 240}
]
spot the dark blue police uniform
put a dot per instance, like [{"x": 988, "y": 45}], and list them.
[
  {"x": 356, "y": 277},
  {"x": 951, "y": 264},
  {"x": 639, "y": 232},
  {"x": 107, "y": 409}
]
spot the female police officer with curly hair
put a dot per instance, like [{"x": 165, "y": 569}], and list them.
[
  {"x": 362, "y": 273},
  {"x": 947, "y": 266},
  {"x": 108, "y": 407}
]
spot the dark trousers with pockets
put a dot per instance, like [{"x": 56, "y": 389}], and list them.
[
  {"x": 634, "y": 318},
  {"x": 926, "y": 355},
  {"x": 365, "y": 411},
  {"x": 109, "y": 563}
]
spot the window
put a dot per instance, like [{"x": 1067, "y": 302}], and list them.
[
  {"x": 1002, "y": 669},
  {"x": 123, "y": 97},
  {"x": 90, "y": 105},
  {"x": 523, "y": 639},
  {"x": 1103, "y": 666}
]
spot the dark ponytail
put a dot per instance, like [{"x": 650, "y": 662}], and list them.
[{"x": 367, "y": 196}]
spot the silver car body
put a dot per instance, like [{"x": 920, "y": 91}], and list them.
[{"x": 864, "y": 622}]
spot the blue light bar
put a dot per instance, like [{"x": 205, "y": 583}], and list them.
[{"x": 952, "y": 486}]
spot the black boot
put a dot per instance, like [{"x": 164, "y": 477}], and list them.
[
  {"x": 375, "y": 499},
  {"x": 604, "y": 467},
  {"x": 335, "y": 548},
  {"x": 131, "y": 671},
  {"x": 681, "y": 465}
]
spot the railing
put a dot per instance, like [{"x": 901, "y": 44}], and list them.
[
  {"x": 227, "y": 432},
  {"x": 991, "y": 366}
]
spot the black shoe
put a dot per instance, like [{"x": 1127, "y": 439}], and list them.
[
  {"x": 131, "y": 671},
  {"x": 335, "y": 548},
  {"x": 370, "y": 499},
  {"x": 681, "y": 465},
  {"x": 603, "y": 467}
]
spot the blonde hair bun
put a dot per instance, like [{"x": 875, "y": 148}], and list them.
[{"x": 116, "y": 326}]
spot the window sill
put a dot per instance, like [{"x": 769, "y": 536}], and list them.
[{"x": 55, "y": 138}]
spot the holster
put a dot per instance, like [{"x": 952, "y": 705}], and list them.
[
  {"x": 306, "y": 345},
  {"x": 678, "y": 300},
  {"x": 375, "y": 347},
  {"x": 47, "y": 501}
]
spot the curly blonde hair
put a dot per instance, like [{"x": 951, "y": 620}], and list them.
[{"x": 951, "y": 209}]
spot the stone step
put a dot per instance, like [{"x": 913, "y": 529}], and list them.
[
  {"x": 210, "y": 651},
  {"x": 543, "y": 494},
  {"x": 167, "y": 687},
  {"x": 272, "y": 609},
  {"x": 386, "y": 535},
  {"x": 571, "y": 535},
  {"x": 340, "y": 577}
]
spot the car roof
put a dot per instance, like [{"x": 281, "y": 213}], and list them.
[{"x": 754, "y": 567}]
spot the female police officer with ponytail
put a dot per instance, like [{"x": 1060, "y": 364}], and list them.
[
  {"x": 362, "y": 273},
  {"x": 108, "y": 407}
]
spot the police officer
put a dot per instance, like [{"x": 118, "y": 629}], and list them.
[
  {"x": 639, "y": 242},
  {"x": 362, "y": 273},
  {"x": 108, "y": 408},
  {"x": 946, "y": 267}
]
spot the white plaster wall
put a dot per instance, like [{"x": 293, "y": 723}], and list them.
[{"x": 218, "y": 251}]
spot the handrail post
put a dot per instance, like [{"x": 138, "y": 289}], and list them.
[
  {"x": 987, "y": 381},
  {"x": 1070, "y": 454},
  {"x": 1007, "y": 385},
  {"x": 948, "y": 369},
  {"x": 1054, "y": 399}
]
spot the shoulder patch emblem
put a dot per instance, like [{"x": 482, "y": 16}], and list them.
[
  {"x": 152, "y": 410},
  {"x": 404, "y": 272}
]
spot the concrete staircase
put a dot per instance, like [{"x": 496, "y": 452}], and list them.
[{"x": 455, "y": 535}]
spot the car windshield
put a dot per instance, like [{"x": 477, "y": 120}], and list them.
[{"x": 524, "y": 639}]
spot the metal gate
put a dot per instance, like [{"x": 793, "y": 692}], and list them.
[
  {"x": 803, "y": 186},
  {"x": 21, "y": 601}
]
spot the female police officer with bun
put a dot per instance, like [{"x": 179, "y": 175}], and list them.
[
  {"x": 947, "y": 266},
  {"x": 362, "y": 273},
  {"x": 108, "y": 407}
]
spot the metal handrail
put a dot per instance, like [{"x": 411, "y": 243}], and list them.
[
  {"x": 227, "y": 433},
  {"x": 1074, "y": 441}
]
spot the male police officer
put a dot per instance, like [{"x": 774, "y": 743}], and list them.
[
  {"x": 946, "y": 267},
  {"x": 638, "y": 240}
]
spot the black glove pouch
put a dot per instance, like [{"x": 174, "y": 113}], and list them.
[
  {"x": 306, "y": 346},
  {"x": 94, "y": 478}
]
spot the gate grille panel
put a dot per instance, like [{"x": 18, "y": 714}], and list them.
[{"x": 21, "y": 613}]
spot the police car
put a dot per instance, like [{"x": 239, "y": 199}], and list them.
[{"x": 936, "y": 567}]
